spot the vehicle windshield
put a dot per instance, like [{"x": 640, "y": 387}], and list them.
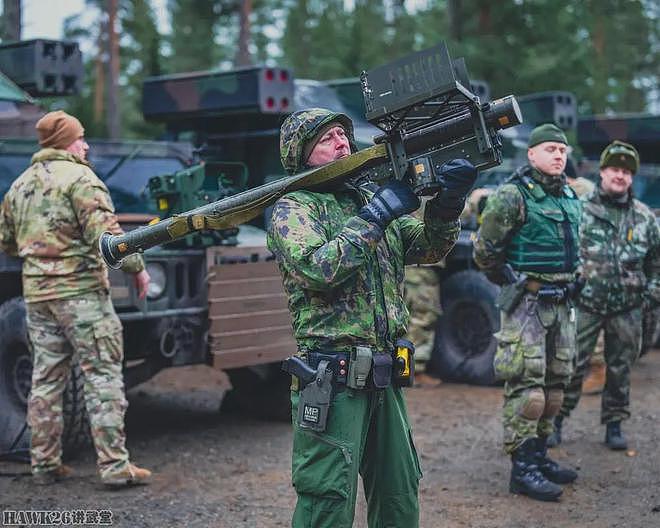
[{"x": 127, "y": 185}]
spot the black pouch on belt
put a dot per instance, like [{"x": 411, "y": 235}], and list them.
[{"x": 381, "y": 371}]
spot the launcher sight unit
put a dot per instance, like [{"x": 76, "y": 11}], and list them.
[{"x": 428, "y": 117}]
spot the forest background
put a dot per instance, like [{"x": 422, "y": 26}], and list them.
[{"x": 607, "y": 52}]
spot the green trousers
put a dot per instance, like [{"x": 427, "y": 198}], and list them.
[
  {"x": 367, "y": 433},
  {"x": 623, "y": 343}
]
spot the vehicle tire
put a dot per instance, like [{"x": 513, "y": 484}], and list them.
[
  {"x": 15, "y": 382},
  {"x": 262, "y": 391},
  {"x": 76, "y": 433},
  {"x": 464, "y": 343}
]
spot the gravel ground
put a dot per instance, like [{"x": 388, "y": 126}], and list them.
[{"x": 228, "y": 470}]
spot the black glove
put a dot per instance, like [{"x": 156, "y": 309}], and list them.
[
  {"x": 459, "y": 176},
  {"x": 390, "y": 201}
]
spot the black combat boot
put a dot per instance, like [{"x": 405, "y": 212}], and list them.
[
  {"x": 551, "y": 469},
  {"x": 555, "y": 438},
  {"x": 614, "y": 438},
  {"x": 526, "y": 479}
]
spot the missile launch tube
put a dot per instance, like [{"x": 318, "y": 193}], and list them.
[{"x": 242, "y": 207}]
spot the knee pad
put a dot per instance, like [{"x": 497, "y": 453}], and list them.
[
  {"x": 533, "y": 404},
  {"x": 553, "y": 403}
]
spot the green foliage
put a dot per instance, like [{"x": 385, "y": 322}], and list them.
[
  {"x": 192, "y": 41},
  {"x": 604, "y": 51}
]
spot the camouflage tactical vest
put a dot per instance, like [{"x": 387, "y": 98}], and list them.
[{"x": 548, "y": 240}]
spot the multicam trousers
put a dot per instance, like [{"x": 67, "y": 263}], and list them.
[
  {"x": 423, "y": 300},
  {"x": 623, "y": 343},
  {"x": 85, "y": 325},
  {"x": 535, "y": 355}
]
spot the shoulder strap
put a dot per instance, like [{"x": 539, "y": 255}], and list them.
[{"x": 526, "y": 183}]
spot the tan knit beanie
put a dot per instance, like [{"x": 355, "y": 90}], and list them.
[{"x": 58, "y": 130}]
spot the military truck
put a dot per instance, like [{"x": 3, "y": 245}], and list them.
[{"x": 214, "y": 299}]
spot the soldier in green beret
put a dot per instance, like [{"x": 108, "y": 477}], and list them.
[
  {"x": 620, "y": 254},
  {"x": 342, "y": 250},
  {"x": 528, "y": 243}
]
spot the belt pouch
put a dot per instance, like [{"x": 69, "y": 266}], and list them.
[
  {"x": 381, "y": 373},
  {"x": 359, "y": 367}
]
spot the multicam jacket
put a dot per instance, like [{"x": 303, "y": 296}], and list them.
[
  {"x": 344, "y": 279},
  {"x": 504, "y": 216},
  {"x": 620, "y": 253},
  {"x": 52, "y": 216}
]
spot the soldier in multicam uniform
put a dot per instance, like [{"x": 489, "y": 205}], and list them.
[
  {"x": 422, "y": 297},
  {"x": 52, "y": 217},
  {"x": 531, "y": 223},
  {"x": 342, "y": 251},
  {"x": 620, "y": 252}
]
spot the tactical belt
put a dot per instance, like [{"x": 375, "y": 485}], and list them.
[{"x": 362, "y": 369}]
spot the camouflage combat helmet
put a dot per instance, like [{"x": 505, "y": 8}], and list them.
[
  {"x": 302, "y": 126},
  {"x": 620, "y": 154}
]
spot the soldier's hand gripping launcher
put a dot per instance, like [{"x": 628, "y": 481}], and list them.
[{"x": 428, "y": 116}]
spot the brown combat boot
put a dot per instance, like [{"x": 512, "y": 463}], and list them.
[
  {"x": 131, "y": 476},
  {"x": 44, "y": 478},
  {"x": 594, "y": 382}
]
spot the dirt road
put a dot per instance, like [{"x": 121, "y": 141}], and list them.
[{"x": 227, "y": 470}]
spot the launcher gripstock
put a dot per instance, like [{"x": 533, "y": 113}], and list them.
[{"x": 427, "y": 116}]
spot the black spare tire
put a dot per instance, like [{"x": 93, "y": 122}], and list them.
[
  {"x": 15, "y": 383},
  {"x": 15, "y": 379},
  {"x": 464, "y": 343}
]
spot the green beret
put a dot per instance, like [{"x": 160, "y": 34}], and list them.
[
  {"x": 620, "y": 154},
  {"x": 546, "y": 132}
]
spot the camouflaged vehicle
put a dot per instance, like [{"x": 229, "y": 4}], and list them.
[{"x": 214, "y": 298}]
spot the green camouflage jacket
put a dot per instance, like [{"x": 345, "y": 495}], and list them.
[
  {"x": 52, "y": 216},
  {"x": 343, "y": 278},
  {"x": 502, "y": 217},
  {"x": 620, "y": 254}
]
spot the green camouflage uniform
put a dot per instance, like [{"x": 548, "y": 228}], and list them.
[
  {"x": 344, "y": 280},
  {"x": 620, "y": 253},
  {"x": 52, "y": 217},
  {"x": 536, "y": 343}
]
